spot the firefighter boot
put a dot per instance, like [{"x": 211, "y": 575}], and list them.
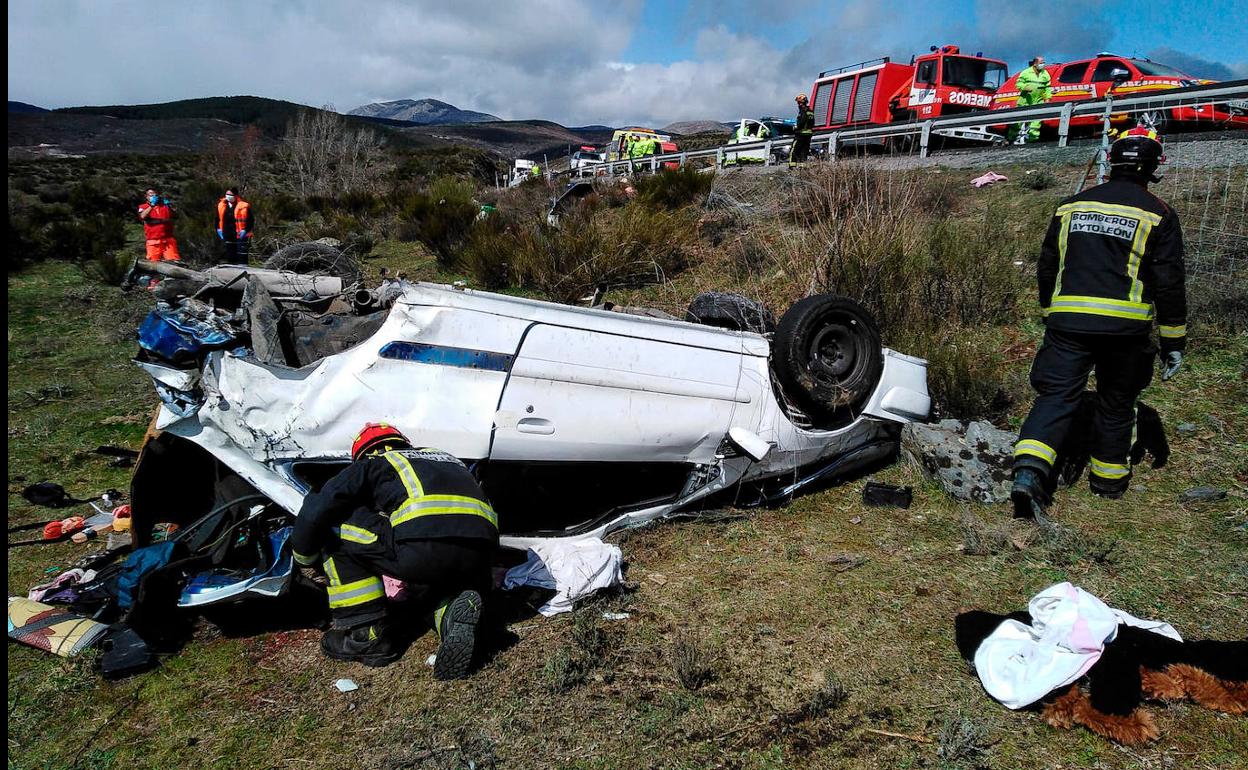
[
  {"x": 1108, "y": 488},
  {"x": 371, "y": 645},
  {"x": 1028, "y": 494},
  {"x": 456, "y": 622}
]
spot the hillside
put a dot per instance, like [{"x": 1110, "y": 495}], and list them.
[
  {"x": 37, "y": 135},
  {"x": 24, "y": 107},
  {"x": 422, "y": 111},
  {"x": 514, "y": 138},
  {"x": 695, "y": 127}
]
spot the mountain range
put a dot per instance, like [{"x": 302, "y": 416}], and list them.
[{"x": 423, "y": 112}]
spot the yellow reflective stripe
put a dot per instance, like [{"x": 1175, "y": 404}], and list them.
[
  {"x": 353, "y": 534},
  {"x": 305, "y": 560},
  {"x": 437, "y": 617},
  {"x": 1172, "y": 332},
  {"x": 1133, "y": 262},
  {"x": 332, "y": 572},
  {"x": 1061, "y": 256},
  {"x": 435, "y": 505},
  {"x": 1116, "y": 308},
  {"x": 1108, "y": 470},
  {"x": 357, "y": 592},
  {"x": 407, "y": 474},
  {"x": 1112, "y": 209},
  {"x": 1030, "y": 446}
]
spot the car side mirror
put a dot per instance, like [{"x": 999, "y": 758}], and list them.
[{"x": 1118, "y": 74}]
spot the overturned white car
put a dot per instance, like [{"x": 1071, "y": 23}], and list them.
[{"x": 577, "y": 421}]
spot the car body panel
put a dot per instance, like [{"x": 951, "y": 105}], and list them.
[{"x": 488, "y": 377}]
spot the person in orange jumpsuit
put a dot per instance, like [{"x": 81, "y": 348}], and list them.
[{"x": 157, "y": 215}]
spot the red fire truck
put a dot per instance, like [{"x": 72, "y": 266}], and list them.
[{"x": 942, "y": 82}]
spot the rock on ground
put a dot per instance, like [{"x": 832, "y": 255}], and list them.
[{"x": 970, "y": 460}]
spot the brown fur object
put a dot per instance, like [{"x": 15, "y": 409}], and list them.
[
  {"x": 1138, "y": 665},
  {"x": 1074, "y": 708}
]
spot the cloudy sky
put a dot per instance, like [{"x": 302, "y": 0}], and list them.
[{"x": 577, "y": 62}]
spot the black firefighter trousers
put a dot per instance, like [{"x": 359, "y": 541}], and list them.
[
  {"x": 435, "y": 571},
  {"x": 1059, "y": 375}
]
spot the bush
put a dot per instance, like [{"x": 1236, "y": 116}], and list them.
[
  {"x": 1038, "y": 180},
  {"x": 691, "y": 661},
  {"x": 440, "y": 217},
  {"x": 931, "y": 280},
  {"x": 674, "y": 188},
  {"x": 110, "y": 267},
  {"x": 631, "y": 246}
]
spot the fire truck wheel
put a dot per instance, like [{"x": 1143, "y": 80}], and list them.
[
  {"x": 827, "y": 356},
  {"x": 730, "y": 311}
]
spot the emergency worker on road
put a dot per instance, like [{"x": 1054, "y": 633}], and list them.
[
  {"x": 413, "y": 514},
  {"x": 157, "y": 215},
  {"x": 1111, "y": 264},
  {"x": 805, "y": 130},
  {"x": 1034, "y": 87}
]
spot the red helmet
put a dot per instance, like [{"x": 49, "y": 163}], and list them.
[{"x": 372, "y": 435}]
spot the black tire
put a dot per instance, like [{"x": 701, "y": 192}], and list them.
[
  {"x": 827, "y": 356},
  {"x": 312, "y": 258},
  {"x": 730, "y": 311}
]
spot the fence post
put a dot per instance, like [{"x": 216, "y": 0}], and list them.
[
  {"x": 684, "y": 158},
  {"x": 834, "y": 139},
  {"x": 925, "y": 138},
  {"x": 719, "y": 157},
  {"x": 767, "y": 153},
  {"x": 1063, "y": 125}
]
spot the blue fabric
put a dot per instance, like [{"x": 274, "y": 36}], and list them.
[
  {"x": 139, "y": 564},
  {"x": 175, "y": 335}
]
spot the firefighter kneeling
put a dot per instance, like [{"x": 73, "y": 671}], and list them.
[
  {"x": 413, "y": 514},
  {"x": 1112, "y": 261}
]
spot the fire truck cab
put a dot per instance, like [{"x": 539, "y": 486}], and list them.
[{"x": 880, "y": 91}]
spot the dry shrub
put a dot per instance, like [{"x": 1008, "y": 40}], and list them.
[
  {"x": 691, "y": 661},
  {"x": 439, "y": 217},
  {"x": 934, "y": 282},
  {"x": 629, "y": 246},
  {"x": 674, "y": 188}
]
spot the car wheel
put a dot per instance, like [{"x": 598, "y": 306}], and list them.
[
  {"x": 1158, "y": 119},
  {"x": 313, "y": 258},
  {"x": 730, "y": 311},
  {"x": 827, "y": 356}
]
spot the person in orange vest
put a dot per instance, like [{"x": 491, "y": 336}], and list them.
[
  {"x": 157, "y": 215},
  {"x": 234, "y": 227}
]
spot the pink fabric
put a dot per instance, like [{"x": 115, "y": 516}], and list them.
[
  {"x": 989, "y": 178},
  {"x": 395, "y": 589}
]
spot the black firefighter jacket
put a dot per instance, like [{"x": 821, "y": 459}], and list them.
[
  {"x": 1112, "y": 262},
  {"x": 425, "y": 493}
]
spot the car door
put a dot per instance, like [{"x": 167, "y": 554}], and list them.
[{"x": 580, "y": 395}]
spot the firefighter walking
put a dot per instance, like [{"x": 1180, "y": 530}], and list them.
[
  {"x": 804, "y": 131},
  {"x": 235, "y": 227},
  {"x": 157, "y": 215},
  {"x": 413, "y": 514},
  {"x": 1111, "y": 264},
  {"x": 1034, "y": 87}
]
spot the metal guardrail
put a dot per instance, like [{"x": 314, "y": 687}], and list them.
[{"x": 1215, "y": 93}]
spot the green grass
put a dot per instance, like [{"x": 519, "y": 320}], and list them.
[{"x": 764, "y": 593}]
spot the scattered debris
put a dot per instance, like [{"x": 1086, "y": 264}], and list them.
[
  {"x": 51, "y": 629},
  {"x": 1202, "y": 495},
  {"x": 615, "y": 616},
  {"x": 346, "y": 685},
  {"x": 1186, "y": 428},
  {"x": 574, "y": 570},
  {"x": 878, "y": 494},
  {"x": 989, "y": 178},
  {"x": 971, "y": 461},
  {"x": 844, "y": 562}
]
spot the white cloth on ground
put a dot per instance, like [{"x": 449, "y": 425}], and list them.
[
  {"x": 573, "y": 568},
  {"x": 1020, "y": 664}
]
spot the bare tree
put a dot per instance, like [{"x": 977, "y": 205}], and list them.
[{"x": 322, "y": 153}]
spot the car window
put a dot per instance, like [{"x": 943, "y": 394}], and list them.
[
  {"x": 1073, "y": 73},
  {"x": 1106, "y": 66},
  {"x": 1160, "y": 70}
]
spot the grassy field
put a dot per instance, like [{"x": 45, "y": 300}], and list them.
[{"x": 814, "y": 635}]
